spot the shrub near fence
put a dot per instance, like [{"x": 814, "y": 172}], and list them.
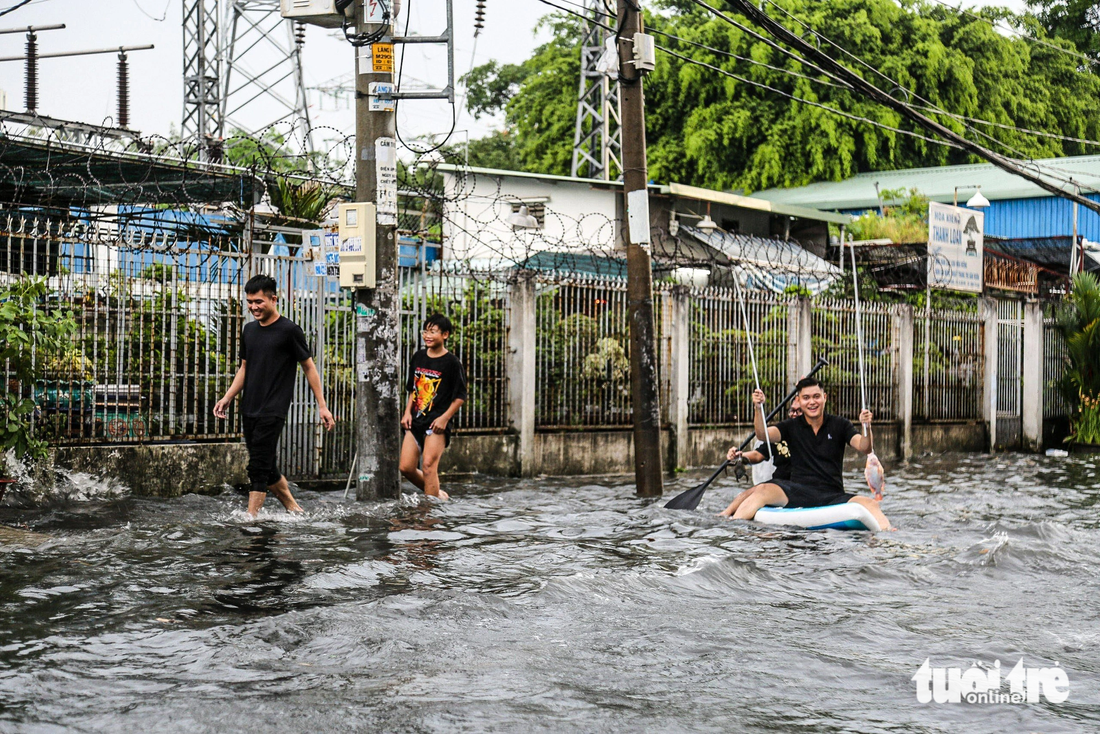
[{"x": 583, "y": 357}]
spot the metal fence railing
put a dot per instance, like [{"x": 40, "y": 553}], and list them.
[
  {"x": 157, "y": 341},
  {"x": 583, "y": 357},
  {"x": 834, "y": 334},
  {"x": 159, "y": 327},
  {"x": 1055, "y": 359},
  {"x": 948, "y": 365},
  {"x": 720, "y": 371},
  {"x": 477, "y": 305}
]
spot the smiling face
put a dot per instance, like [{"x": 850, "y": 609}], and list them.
[
  {"x": 812, "y": 400},
  {"x": 261, "y": 305},
  {"x": 433, "y": 337}
]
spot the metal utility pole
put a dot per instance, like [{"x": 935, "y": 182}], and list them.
[
  {"x": 646, "y": 403},
  {"x": 378, "y": 397}
]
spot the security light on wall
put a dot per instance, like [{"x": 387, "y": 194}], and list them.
[{"x": 522, "y": 219}]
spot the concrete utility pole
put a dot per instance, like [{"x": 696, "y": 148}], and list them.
[
  {"x": 646, "y": 404},
  {"x": 378, "y": 389}
]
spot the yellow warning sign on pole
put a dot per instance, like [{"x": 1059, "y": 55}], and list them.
[{"x": 382, "y": 58}]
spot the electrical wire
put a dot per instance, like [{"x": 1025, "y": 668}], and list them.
[
  {"x": 802, "y": 100},
  {"x": 1033, "y": 39},
  {"x": 840, "y": 72},
  {"x": 15, "y": 7},
  {"x": 397, "y": 102}
]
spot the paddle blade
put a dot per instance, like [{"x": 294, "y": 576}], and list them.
[{"x": 688, "y": 500}]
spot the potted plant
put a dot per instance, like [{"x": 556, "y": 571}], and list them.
[
  {"x": 1079, "y": 321},
  {"x": 29, "y": 336}
]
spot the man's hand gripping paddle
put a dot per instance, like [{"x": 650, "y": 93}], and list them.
[{"x": 690, "y": 499}]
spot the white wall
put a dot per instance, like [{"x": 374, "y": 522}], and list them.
[{"x": 579, "y": 218}]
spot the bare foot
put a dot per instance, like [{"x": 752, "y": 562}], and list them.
[{"x": 441, "y": 495}]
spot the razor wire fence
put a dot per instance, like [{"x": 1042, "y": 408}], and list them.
[{"x": 158, "y": 342}]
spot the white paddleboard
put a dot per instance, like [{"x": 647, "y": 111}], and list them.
[{"x": 845, "y": 516}]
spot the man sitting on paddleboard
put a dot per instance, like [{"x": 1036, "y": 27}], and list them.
[{"x": 816, "y": 442}]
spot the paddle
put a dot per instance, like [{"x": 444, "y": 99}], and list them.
[{"x": 690, "y": 499}]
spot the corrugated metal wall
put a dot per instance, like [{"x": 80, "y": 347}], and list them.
[
  {"x": 1047, "y": 216},
  {"x": 1044, "y": 216}
]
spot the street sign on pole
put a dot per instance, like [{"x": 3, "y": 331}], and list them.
[{"x": 955, "y": 240}]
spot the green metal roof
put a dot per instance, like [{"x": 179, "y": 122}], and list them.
[{"x": 937, "y": 184}]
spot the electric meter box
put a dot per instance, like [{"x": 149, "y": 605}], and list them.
[
  {"x": 357, "y": 246},
  {"x": 324, "y": 13}
]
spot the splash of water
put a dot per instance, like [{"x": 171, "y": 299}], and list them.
[{"x": 37, "y": 485}]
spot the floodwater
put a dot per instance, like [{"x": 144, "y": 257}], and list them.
[{"x": 550, "y": 605}]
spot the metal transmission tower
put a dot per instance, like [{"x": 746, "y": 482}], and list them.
[
  {"x": 201, "y": 60},
  {"x": 597, "y": 142},
  {"x": 263, "y": 72},
  {"x": 243, "y": 71}
]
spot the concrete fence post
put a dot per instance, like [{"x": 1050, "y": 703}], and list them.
[
  {"x": 522, "y": 388},
  {"x": 799, "y": 339},
  {"x": 679, "y": 385},
  {"x": 989, "y": 386},
  {"x": 1032, "y": 408},
  {"x": 903, "y": 334}
]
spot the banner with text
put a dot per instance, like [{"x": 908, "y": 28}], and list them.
[{"x": 955, "y": 238}]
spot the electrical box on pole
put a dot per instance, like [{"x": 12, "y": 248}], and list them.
[
  {"x": 325, "y": 13},
  {"x": 357, "y": 245}
]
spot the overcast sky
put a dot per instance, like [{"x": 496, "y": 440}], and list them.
[{"x": 84, "y": 88}]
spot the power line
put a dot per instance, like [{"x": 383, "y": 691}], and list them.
[
  {"x": 802, "y": 100},
  {"x": 1033, "y": 39},
  {"x": 931, "y": 106},
  {"x": 15, "y": 7},
  {"x": 843, "y": 73}
]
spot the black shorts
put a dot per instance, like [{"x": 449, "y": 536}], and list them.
[
  {"x": 802, "y": 495},
  {"x": 419, "y": 432},
  {"x": 261, "y": 436}
]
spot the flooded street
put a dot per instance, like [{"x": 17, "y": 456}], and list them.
[{"x": 551, "y": 605}]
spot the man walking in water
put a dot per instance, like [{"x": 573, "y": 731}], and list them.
[
  {"x": 816, "y": 442},
  {"x": 272, "y": 347}
]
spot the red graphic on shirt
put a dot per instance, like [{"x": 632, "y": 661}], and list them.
[{"x": 425, "y": 388}]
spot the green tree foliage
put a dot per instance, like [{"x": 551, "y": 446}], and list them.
[
  {"x": 904, "y": 220},
  {"x": 1079, "y": 322},
  {"x": 711, "y": 130},
  {"x": 1077, "y": 21},
  {"x": 30, "y": 335}
]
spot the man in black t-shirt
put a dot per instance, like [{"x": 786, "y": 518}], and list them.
[
  {"x": 816, "y": 442},
  {"x": 272, "y": 347},
  {"x": 437, "y": 389}
]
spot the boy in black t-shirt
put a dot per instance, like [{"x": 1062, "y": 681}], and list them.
[
  {"x": 437, "y": 389},
  {"x": 272, "y": 347},
  {"x": 816, "y": 442}
]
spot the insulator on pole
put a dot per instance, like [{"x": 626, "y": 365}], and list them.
[
  {"x": 123, "y": 91},
  {"x": 31, "y": 88},
  {"x": 479, "y": 18}
]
